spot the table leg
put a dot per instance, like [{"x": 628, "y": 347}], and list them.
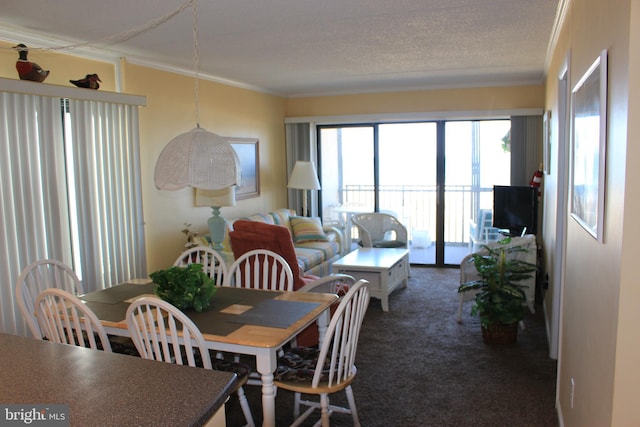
[
  {"x": 384, "y": 292},
  {"x": 266, "y": 361},
  {"x": 323, "y": 322}
]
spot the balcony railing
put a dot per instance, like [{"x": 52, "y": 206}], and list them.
[{"x": 415, "y": 206}]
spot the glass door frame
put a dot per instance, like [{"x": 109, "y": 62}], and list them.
[{"x": 440, "y": 231}]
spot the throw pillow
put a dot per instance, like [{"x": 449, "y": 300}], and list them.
[{"x": 307, "y": 229}]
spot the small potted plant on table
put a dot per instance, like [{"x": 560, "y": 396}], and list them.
[
  {"x": 185, "y": 287},
  {"x": 499, "y": 298}
]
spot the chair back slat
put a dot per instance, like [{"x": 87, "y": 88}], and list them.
[
  {"x": 160, "y": 331},
  {"x": 212, "y": 262},
  {"x": 64, "y": 319},
  {"x": 35, "y": 278},
  {"x": 341, "y": 339},
  {"x": 261, "y": 269}
]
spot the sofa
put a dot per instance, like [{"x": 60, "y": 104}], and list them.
[{"x": 316, "y": 246}]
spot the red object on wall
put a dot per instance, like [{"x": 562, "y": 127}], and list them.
[{"x": 536, "y": 180}]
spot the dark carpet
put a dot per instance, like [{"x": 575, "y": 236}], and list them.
[{"x": 418, "y": 367}]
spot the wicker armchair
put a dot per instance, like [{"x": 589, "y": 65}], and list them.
[{"x": 380, "y": 230}]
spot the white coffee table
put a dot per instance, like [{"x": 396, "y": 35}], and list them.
[{"x": 384, "y": 268}]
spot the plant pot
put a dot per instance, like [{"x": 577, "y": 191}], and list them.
[{"x": 500, "y": 334}]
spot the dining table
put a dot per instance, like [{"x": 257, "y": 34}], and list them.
[
  {"x": 239, "y": 321},
  {"x": 46, "y": 383}
]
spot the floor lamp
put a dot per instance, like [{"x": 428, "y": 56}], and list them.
[{"x": 304, "y": 177}]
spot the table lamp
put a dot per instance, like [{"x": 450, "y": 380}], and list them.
[
  {"x": 216, "y": 199},
  {"x": 304, "y": 177}
]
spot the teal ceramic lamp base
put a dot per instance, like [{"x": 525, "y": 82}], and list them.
[{"x": 217, "y": 227}]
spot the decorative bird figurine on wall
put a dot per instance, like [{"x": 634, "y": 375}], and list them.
[
  {"x": 29, "y": 70},
  {"x": 90, "y": 81}
]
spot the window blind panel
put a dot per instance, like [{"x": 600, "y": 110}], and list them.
[
  {"x": 107, "y": 161},
  {"x": 32, "y": 202},
  {"x": 526, "y": 140}
]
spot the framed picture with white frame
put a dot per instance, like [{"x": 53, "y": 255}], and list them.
[
  {"x": 588, "y": 154},
  {"x": 247, "y": 150},
  {"x": 546, "y": 141}
]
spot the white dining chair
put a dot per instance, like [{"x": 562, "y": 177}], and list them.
[
  {"x": 336, "y": 283},
  {"x": 35, "y": 278},
  {"x": 213, "y": 263},
  {"x": 261, "y": 269},
  {"x": 332, "y": 366},
  {"x": 160, "y": 331},
  {"x": 64, "y": 319}
]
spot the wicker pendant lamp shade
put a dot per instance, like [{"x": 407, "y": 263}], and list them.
[{"x": 198, "y": 159}]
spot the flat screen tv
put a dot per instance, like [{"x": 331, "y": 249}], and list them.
[{"x": 515, "y": 209}]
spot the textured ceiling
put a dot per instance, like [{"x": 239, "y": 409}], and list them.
[{"x": 308, "y": 47}]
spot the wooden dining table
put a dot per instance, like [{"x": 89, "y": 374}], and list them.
[{"x": 240, "y": 321}]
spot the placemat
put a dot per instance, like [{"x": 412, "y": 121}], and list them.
[
  {"x": 226, "y": 296},
  {"x": 119, "y": 293},
  {"x": 275, "y": 313},
  {"x": 110, "y": 312},
  {"x": 214, "y": 322}
]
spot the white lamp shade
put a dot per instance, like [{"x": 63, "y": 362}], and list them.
[
  {"x": 304, "y": 176},
  {"x": 197, "y": 159},
  {"x": 223, "y": 197}
]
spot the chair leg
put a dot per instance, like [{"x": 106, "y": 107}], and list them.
[
  {"x": 246, "y": 410},
  {"x": 352, "y": 405},
  {"x": 324, "y": 408},
  {"x": 296, "y": 405},
  {"x": 461, "y": 300}
]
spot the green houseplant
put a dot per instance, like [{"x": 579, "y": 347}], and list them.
[
  {"x": 185, "y": 287},
  {"x": 499, "y": 298}
]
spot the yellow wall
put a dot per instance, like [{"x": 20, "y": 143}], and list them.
[
  {"x": 599, "y": 347},
  {"x": 62, "y": 68},
  {"x": 463, "y": 99},
  {"x": 224, "y": 110}
]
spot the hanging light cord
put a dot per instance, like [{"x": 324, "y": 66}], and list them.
[
  {"x": 196, "y": 62},
  {"x": 129, "y": 34},
  {"x": 125, "y": 35}
]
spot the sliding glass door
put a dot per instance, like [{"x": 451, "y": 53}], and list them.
[
  {"x": 407, "y": 182},
  {"x": 433, "y": 176},
  {"x": 477, "y": 157}
]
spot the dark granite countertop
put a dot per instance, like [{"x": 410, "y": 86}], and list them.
[{"x": 109, "y": 389}]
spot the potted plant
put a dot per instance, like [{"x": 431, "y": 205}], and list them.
[
  {"x": 185, "y": 287},
  {"x": 499, "y": 298}
]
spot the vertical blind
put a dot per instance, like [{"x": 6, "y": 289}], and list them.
[
  {"x": 70, "y": 191},
  {"x": 300, "y": 145}
]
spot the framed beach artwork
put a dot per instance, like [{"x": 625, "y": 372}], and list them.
[
  {"x": 248, "y": 153},
  {"x": 589, "y": 115}
]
